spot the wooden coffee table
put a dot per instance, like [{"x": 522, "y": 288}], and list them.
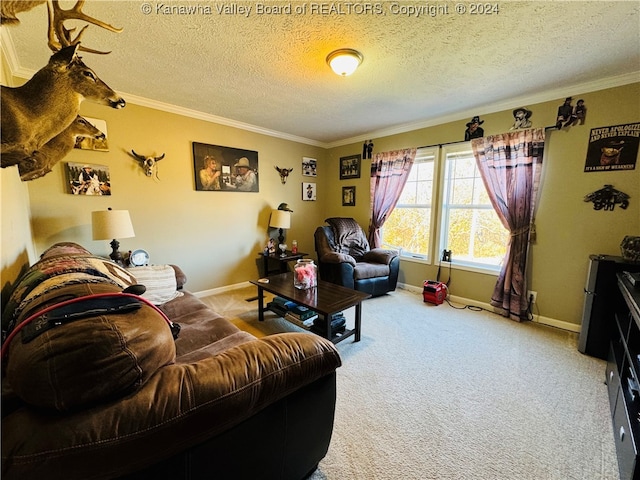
[{"x": 326, "y": 299}]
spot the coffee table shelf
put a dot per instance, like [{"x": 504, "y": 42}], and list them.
[{"x": 326, "y": 299}]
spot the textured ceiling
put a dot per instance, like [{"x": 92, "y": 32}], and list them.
[{"x": 269, "y": 70}]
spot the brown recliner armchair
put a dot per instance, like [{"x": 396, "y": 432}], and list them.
[{"x": 344, "y": 258}]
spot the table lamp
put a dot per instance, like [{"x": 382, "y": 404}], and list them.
[
  {"x": 112, "y": 224},
  {"x": 280, "y": 219}
]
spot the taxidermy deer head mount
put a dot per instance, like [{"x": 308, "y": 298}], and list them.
[
  {"x": 49, "y": 102},
  {"x": 34, "y": 113},
  {"x": 148, "y": 164},
  {"x": 284, "y": 173}
]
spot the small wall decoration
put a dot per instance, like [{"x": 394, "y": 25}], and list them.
[
  {"x": 148, "y": 164},
  {"x": 88, "y": 179},
  {"x": 228, "y": 169},
  {"x": 309, "y": 191},
  {"x": 309, "y": 167},
  {"x": 613, "y": 148},
  {"x": 474, "y": 130},
  {"x": 284, "y": 173},
  {"x": 349, "y": 196},
  {"x": 350, "y": 167},
  {"x": 521, "y": 118},
  {"x": 90, "y": 143},
  {"x": 367, "y": 149},
  {"x": 569, "y": 115},
  {"x": 606, "y": 198}
]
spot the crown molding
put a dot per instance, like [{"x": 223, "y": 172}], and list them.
[
  {"x": 546, "y": 96},
  {"x": 187, "y": 112}
]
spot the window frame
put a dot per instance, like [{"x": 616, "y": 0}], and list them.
[
  {"x": 424, "y": 155},
  {"x": 438, "y": 225},
  {"x": 442, "y": 223}
]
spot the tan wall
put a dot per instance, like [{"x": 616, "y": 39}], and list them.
[
  {"x": 569, "y": 230},
  {"x": 214, "y": 236}
]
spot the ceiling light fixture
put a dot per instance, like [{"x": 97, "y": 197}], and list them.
[{"x": 344, "y": 61}]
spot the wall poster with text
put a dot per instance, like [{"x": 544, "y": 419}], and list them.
[{"x": 613, "y": 148}]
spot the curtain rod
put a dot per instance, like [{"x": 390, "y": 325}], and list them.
[{"x": 553, "y": 127}]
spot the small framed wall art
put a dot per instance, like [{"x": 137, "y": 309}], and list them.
[
  {"x": 227, "y": 169},
  {"x": 90, "y": 143},
  {"x": 86, "y": 179},
  {"x": 309, "y": 167},
  {"x": 349, "y": 196},
  {"x": 309, "y": 191},
  {"x": 350, "y": 167}
]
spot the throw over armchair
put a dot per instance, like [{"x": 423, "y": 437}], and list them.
[{"x": 344, "y": 258}]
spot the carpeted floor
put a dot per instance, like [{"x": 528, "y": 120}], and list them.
[{"x": 431, "y": 392}]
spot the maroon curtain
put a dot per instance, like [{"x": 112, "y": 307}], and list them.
[
  {"x": 510, "y": 165},
  {"x": 389, "y": 173}
]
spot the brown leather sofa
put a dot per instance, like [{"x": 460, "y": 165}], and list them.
[
  {"x": 113, "y": 395},
  {"x": 345, "y": 258}
]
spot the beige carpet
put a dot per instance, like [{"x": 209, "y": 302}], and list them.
[{"x": 431, "y": 392}]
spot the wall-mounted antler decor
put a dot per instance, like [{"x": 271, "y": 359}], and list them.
[
  {"x": 148, "y": 164},
  {"x": 606, "y": 198},
  {"x": 284, "y": 173}
]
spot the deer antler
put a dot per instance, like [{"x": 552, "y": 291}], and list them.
[{"x": 60, "y": 36}]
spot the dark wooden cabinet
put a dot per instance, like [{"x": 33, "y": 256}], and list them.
[
  {"x": 623, "y": 366},
  {"x": 597, "y": 314}
]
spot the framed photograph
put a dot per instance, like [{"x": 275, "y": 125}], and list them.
[
  {"x": 350, "y": 167},
  {"x": 309, "y": 167},
  {"x": 88, "y": 179},
  {"x": 90, "y": 143},
  {"x": 309, "y": 192},
  {"x": 225, "y": 169},
  {"x": 349, "y": 196}
]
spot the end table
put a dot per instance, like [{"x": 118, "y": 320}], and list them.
[{"x": 282, "y": 260}]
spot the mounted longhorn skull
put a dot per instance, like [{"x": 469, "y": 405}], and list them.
[
  {"x": 284, "y": 173},
  {"x": 148, "y": 164}
]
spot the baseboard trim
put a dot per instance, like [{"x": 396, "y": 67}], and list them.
[
  {"x": 226, "y": 288},
  {"x": 551, "y": 322}
]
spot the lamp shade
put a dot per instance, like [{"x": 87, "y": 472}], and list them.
[
  {"x": 280, "y": 219},
  {"x": 108, "y": 224},
  {"x": 344, "y": 61}
]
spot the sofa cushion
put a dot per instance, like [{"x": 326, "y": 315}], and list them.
[
  {"x": 365, "y": 270},
  {"x": 203, "y": 332},
  {"x": 89, "y": 360},
  {"x": 160, "y": 282}
]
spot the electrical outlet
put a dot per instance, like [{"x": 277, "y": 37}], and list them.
[{"x": 532, "y": 295}]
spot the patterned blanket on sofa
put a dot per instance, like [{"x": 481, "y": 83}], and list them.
[{"x": 62, "y": 264}]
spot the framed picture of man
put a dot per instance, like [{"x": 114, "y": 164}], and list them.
[
  {"x": 350, "y": 167},
  {"x": 308, "y": 192},
  {"x": 88, "y": 179},
  {"x": 218, "y": 168}
]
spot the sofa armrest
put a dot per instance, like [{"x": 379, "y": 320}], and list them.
[
  {"x": 335, "y": 257},
  {"x": 379, "y": 255},
  {"x": 181, "y": 278}
]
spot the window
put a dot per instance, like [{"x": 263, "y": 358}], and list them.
[
  {"x": 470, "y": 227},
  {"x": 446, "y": 210},
  {"x": 409, "y": 227}
]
